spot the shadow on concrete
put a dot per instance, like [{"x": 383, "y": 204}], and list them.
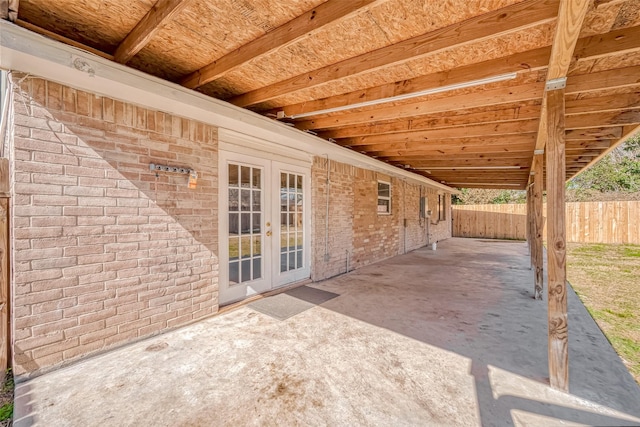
[{"x": 475, "y": 298}]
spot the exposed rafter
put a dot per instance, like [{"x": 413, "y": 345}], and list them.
[
  {"x": 333, "y": 11},
  {"x": 507, "y": 19},
  {"x": 162, "y": 12},
  {"x": 589, "y": 48}
]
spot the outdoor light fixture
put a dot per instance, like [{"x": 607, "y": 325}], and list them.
[{"x": 472, "y": 83}]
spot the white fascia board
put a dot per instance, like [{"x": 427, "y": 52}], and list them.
[{"x": 29, "y": 52}]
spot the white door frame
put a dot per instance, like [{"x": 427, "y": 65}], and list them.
[
  {"x": 284, "y": 278},
  {"x": 272, "y": 277},
  {"x": 227, "y": 293}
]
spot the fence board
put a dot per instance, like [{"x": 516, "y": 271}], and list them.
[{"x": 587, "y": 222}]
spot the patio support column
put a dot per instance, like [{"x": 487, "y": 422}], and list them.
[
  {"x": 528, "y": 228},
  {"x": 537, "y": 226},
  {"x": 556, "y": 250}
]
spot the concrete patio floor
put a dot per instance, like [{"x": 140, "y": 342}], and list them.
[{"x": 451, "y": 337}]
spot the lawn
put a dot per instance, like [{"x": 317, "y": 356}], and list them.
[{"x": 607, "y": 280}]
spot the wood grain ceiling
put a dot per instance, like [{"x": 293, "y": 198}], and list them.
[{"x": 291, "y": 58}]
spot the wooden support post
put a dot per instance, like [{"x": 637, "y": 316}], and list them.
[
  {"x": 536, "y": 230},
  {"x": 530, "y": 223},
  {"x": 528, "y": 227},
  {"x": 556, "y": 244},
  {"x": 4, "y": 265}
]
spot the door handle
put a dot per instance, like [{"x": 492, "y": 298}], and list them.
[{"x": 269, "y": 233}]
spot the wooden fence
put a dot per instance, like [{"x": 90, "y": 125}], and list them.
[{"x": 587, "y": 222}]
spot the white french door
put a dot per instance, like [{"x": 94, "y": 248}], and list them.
[{"x": 264, "y": 225}]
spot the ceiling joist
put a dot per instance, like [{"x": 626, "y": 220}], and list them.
[
  {"x": 333, "y": 11},
  {"x": 162, "y": 12},
  {"x": 505, "y": 20},
  {"x": 589, "y": 48}
]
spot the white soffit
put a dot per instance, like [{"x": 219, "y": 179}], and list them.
[{"x": 26, "y": 51}]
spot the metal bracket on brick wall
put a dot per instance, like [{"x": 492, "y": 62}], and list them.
[{"x": 173, "y": 169}]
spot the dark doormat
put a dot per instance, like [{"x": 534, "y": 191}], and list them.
[{"x": 290, "y": 303}]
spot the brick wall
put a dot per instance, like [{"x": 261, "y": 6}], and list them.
[
  {"x": 106, "y": 251},
  {"x": 331, "y": 259},
  {"x": 355, "y": 228}
]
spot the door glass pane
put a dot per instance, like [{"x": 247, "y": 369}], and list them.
[
  {"x": 245, "y": 247},
  {"x": 257, "y": 268},
  {"x": 234, "y": 276},
  {"x": 256, "y": 223},
  {"x": 299, "y": 203},
  {"x": 256, "y": 181},
  {"x": 234, "y": 248},
  {"x": 233, "y": 175},
  {"x": 257, "y": 246},
  {"x": 245, "y": 176},
  {"x": 233, "y": 199},
  {"x": 245, "y": 223},
  {"x": 245, "y": 204},
  {"x": 291, "y": 221},
  {"x": 246, "y": 270},
  {"x": 233, "y": 224},
  {"x": 256, "y": 200}
]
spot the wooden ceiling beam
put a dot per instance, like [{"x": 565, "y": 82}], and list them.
[
  {"x": 161, "y": 13},
  {"x": 333, "y": 11},
  {"x": 454, "y": 151},
  {"x": 598, "y": 122},
  {"x": 463, "y": 156},
  {"x": 507, "y": 94},
  {"x": 519, "y": 186},
  {"x": 582, "y": 145},
  {"x": 593, "y": 133},
  {"x": 437, "y": 144},
  {"x": 498, "y": 22},
  {"x": 429, "y": 122},
  {"x": 482, "y": 130},
  {"x": 607, "y": 103},
  {"x": 587, "y": 48},
  {"x": 532, "y": 60},
  {"x": 603, "y": 103},
  {"x": 479, "y": 175},
  {"x": 492, "y": 97},
  {"x": 609, "y": 118},
  {"x": 626, "y": 133},
  {"x": 525, "y": 161},
  {"x": 62, "y": 39}
]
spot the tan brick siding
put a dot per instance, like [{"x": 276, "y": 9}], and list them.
[
  {"x": 356, "y": 230},
  {"x": 106, "y": 251}
]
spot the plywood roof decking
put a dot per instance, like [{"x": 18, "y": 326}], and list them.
[{"x": 272, "y": 57}]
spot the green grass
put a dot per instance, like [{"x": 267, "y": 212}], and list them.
[
  {"x": 6, "y": 399},
  {"x": 605, "y": 277}
]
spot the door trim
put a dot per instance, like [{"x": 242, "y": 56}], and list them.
[
  {"x": 227, "y": 294},
  {"x": 271, "y": 207}
]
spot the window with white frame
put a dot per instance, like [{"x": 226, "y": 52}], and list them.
[{"x": 384, "y": 197}]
